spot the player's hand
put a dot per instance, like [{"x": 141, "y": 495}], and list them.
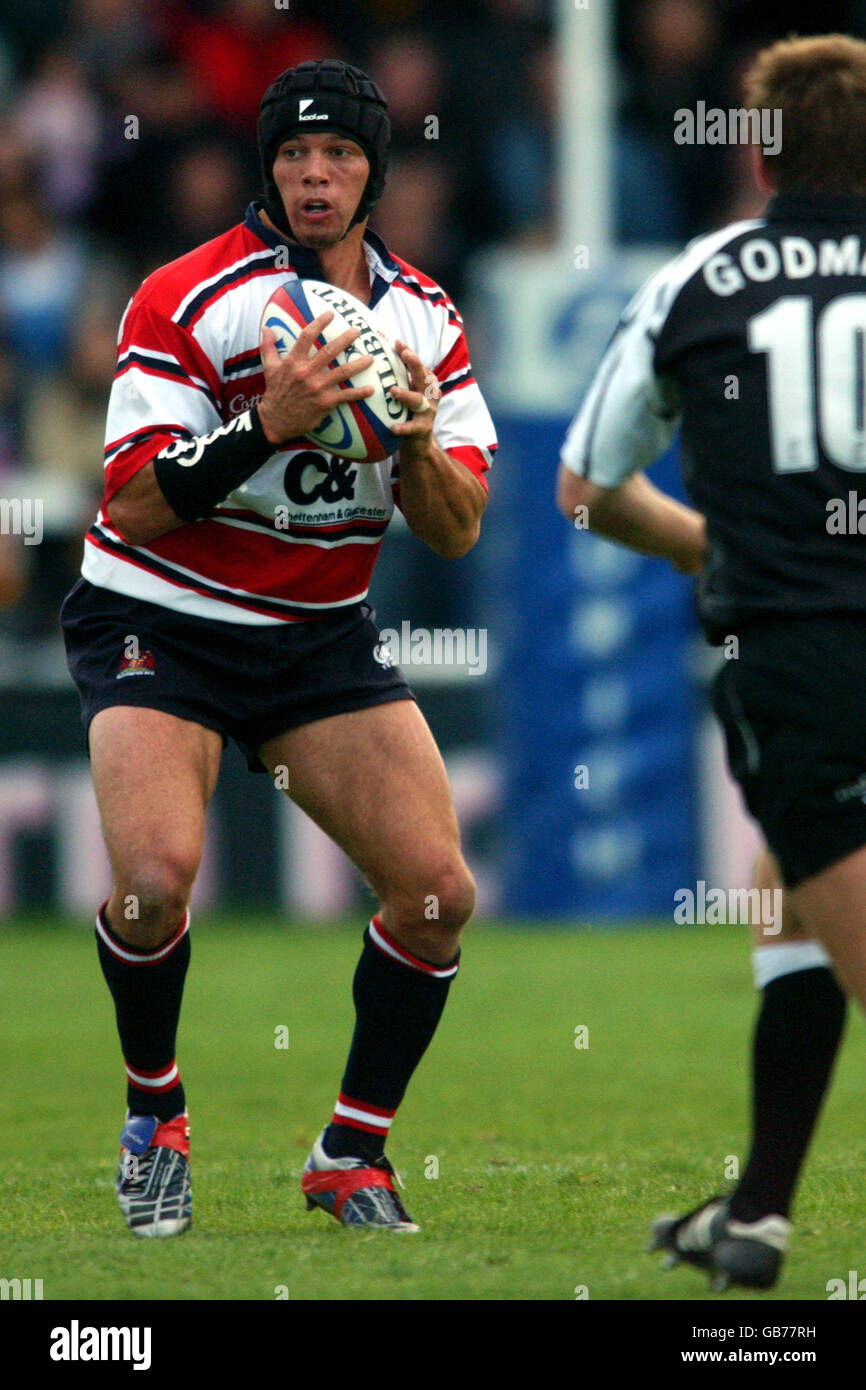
[
  {"x": 422, "y": 398},
  {"x": 303, "y": 386}
]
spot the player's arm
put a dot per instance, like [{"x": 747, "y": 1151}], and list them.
[
  {"x": 441, "y": 499},
  {"x": 191, "y": 475},
  {"x": 627, "y": 420},
  {"x": 139, "y": 510},
  {"x": 636, "y": 514}
]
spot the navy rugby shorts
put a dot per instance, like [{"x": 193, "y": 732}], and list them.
[
  {"x": 249, "y": 683},
  {"x": 793, "y": 708}
]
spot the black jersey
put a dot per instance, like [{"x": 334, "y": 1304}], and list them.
[{"x": 754, "y": 341}]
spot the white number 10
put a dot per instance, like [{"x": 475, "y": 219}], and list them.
[{"x": 838, "y": 364}]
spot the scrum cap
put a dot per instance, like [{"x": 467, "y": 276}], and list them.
[{"x": 324, "y": 95}]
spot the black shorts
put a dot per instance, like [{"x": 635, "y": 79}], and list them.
[
  {"x": 249, "y": 683},
  {"x": 793, "y": 708}
]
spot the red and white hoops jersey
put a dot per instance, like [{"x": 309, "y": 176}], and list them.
[{"x": 300, "y": 537}]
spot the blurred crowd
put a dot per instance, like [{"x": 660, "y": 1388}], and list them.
[{"x": 128, "y": 137}]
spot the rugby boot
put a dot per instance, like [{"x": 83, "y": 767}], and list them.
[
  {"x": 748, "y": 1253},
  {"x": 355, "y": 1192},
  {"x": 153, "y": 1179}
]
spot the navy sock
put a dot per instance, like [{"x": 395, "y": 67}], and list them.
[
  {"x": 797, "y": 1037},
  {"x": 399, "y": 1000},
  {"x": 147, "y": 988}
]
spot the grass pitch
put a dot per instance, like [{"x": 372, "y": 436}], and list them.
[{"x": 533, "y": 1164}]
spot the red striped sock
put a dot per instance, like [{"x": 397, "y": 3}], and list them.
[
  {"x": 399, "y": 998},
  {"x": 147, "y": 989},
  {"x": 389, "y": 946},
  {"x": 154, "y": 1083},
  {"x": 359, "y": 1114}
]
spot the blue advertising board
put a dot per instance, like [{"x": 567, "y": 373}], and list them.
[{"x": 596, "y": 698}]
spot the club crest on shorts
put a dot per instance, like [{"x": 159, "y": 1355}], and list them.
[{"x": 141, "y": 665}]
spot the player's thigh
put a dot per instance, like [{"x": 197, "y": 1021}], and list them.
[
  {"x": 375, "y": 781},
  {"x": 832, "y": 908},
  {"x": 767, "y": 878},
  {"x": 154, "y": 775}
]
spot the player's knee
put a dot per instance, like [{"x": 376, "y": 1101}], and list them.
[
  {"x": 441, "y": 904},
  {"x": 151, "y": 901},
  {"x": 456, "y": 897}
]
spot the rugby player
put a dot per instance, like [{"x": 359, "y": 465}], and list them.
[
  {"x": 222, "y": 596},
  {"x": 753, "y": 341}
]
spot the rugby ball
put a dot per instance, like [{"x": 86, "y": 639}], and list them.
[{"x": 360, "y": 430}]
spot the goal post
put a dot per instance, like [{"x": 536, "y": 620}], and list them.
[{"x": 585, "y": 144}]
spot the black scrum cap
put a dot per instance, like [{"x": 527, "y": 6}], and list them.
[{"x": 324, "y": 95}]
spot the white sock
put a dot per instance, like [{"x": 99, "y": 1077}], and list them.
[{"x": 772, "y": 962}]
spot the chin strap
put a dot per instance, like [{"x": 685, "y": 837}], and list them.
[{"x": 284, "y": 227}]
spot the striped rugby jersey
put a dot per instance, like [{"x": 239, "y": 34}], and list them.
[
  {"x": 300, "y": 537},
  {"x": 752, "y": 342}
]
